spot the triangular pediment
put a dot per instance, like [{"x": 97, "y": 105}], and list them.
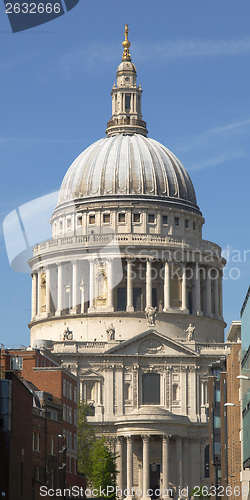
[{"x": 151, "y": 343}]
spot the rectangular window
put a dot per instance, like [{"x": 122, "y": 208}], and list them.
[
  {"x": 75, "y": 442},
  {"x": 75, "y": 418},
  {"x": 121, "y": 299},
  {"x": 52, "y": 446},
  {"x": 194, "y": 226},
  {"x": 70, "y": 415},
  {"x": 64, "y": 412},
  {"x": 217, "y": 447},
  {"x": 33, "y": 441},
  {"x": 165, "y": 220},
  {"x": 186, "y": 223},
  {"x": 151, "y": 388},
  {"x": 137, "y": 217},
  {"x": 217, "y": 422},
  {"x": 79, "y": 220},
  {"x": 61, "y": 225},
  {"x": 68, "y": 223},
  {"x": 137, "y": 302},
  {"x": 176, "y": 221},
  {"x": 106, "y": 218},
  {"x": 64, "y": 388},
  {"x": 127, "y": 102},
  {"x": 16, "y": 363},
  {"x": 92, "y": 219},
  {"x": 70, "y": 391},
  {"x": 75, "y": 394},
  {"x": 121, "y": 217},
  {"x": 38, "y": 442},
  {"x": 217, "y": 395},
  {"x": 151, "y": 218}
]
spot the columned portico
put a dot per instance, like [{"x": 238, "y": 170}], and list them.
[
  {"x": 75, "y": 299},
  {"x": 110, "y": 285},
  {"x": 145, "y": 465},
  {"x": 148, "y": 284},
  {"x": 119, "y": 448},
  {"x": 129, "y": 467},
  {"x": 167, "y": 286},
  {"x": 130, "y": 307},
  {"x": 59, "y": 290},
  {"x": 34, "y": 296},
  {"x": 208, "y": 292},
  {"x": 165, "y": 467},
  {"x": 184, "y": 305},
  {"x": 197, "y": 289},
  {"x": 91, "y": 285},
  {"x": 48, "y": 294}
]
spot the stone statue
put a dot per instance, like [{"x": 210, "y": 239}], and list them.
[
  {"x": 150, "y": 315},
  {"x": 190, "y": 331},
  {"x": 67, "y": 334},
  {"x": 160, "y": 306},
  {"x": 111, "y": 332}
]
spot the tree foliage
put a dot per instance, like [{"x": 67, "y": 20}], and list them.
[{"x": 95, "y": 459}]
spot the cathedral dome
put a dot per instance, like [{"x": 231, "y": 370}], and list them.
[{"x": 128, "y": 165}]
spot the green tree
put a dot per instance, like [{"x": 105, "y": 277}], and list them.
[
  {"x": 85, "y": 438},
  {"x": 103, "y": 467},
  {"x": 95, "y": 459}
]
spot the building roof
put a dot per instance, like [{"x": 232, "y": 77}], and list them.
[{"x": 123, "y": 165}]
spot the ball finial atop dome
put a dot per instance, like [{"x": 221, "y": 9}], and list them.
[{"x": 126, "y": 44}]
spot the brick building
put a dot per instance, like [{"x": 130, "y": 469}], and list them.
[
  {"x": 53, "y": 392},
  {"x": 233, "y": 410}
]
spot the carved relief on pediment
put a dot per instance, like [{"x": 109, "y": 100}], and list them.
[{"x": 151, "y": 346}]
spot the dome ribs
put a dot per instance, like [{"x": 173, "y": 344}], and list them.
[{"x": 127, "y": 165}]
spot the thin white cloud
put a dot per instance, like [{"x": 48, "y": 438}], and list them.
[
  {"x": 216, "y": 160},
  {"x": 93, "y": 56},
  {"x": 34, "y": 140}
]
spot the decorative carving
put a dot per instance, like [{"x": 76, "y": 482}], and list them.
[
  {"x": 67, "y": 334},
  {"x": 150, "y": 313},
  {"x": 111, "y": 332},
  {"x": 150, "y": 346},
  {"x": 190, "y": 331}
]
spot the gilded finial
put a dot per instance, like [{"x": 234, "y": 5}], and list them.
[{"x": 126, "y": 44}]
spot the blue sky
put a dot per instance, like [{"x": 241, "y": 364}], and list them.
[{"x": 192, "y": 59}]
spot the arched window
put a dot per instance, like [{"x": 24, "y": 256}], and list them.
[{"x": 175, "y": 391}]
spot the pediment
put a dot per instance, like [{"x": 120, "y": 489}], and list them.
[
  {"x": 88, "y": 373},
  {"x": 152, "y": 343}
]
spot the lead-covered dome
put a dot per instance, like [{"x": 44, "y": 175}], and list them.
[{"x": 127, "y": 165}]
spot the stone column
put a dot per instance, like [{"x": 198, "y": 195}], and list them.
[
  {"x": 74, "y": 288},
  {"x": 179, "y": 463},
  {"x": 220, "y": 294},
  {"x": 167, "y": 287},
  {"x": 145, "y": 470},
  {"x": 119, "y": 448},
  {"x": 197, "y": 285},
  {"x": 165, "y": 467},
  {"x": 148, "y": 284},
  {"x": 130, "y": 307},
  {"x": 129, "y": 467},
  {"x": 216, "y": 293},
  {"x": 110, "y": 285},
  {"x": 59, "y": 290},
  {"x": 34, "y": 296},
  {"x": 184, "y": 305},
  {"x": 91, "y": 285},
  {"x": 208, "y": 292},
  {"x": 39, "y": 291},
  {"x": 48, "y": 295},
  {"x": 82, "y": 296}
]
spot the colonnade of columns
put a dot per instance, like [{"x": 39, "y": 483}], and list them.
[
  {"x": 125, "y": 478},
  {"x": 80, "y": 291}
]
